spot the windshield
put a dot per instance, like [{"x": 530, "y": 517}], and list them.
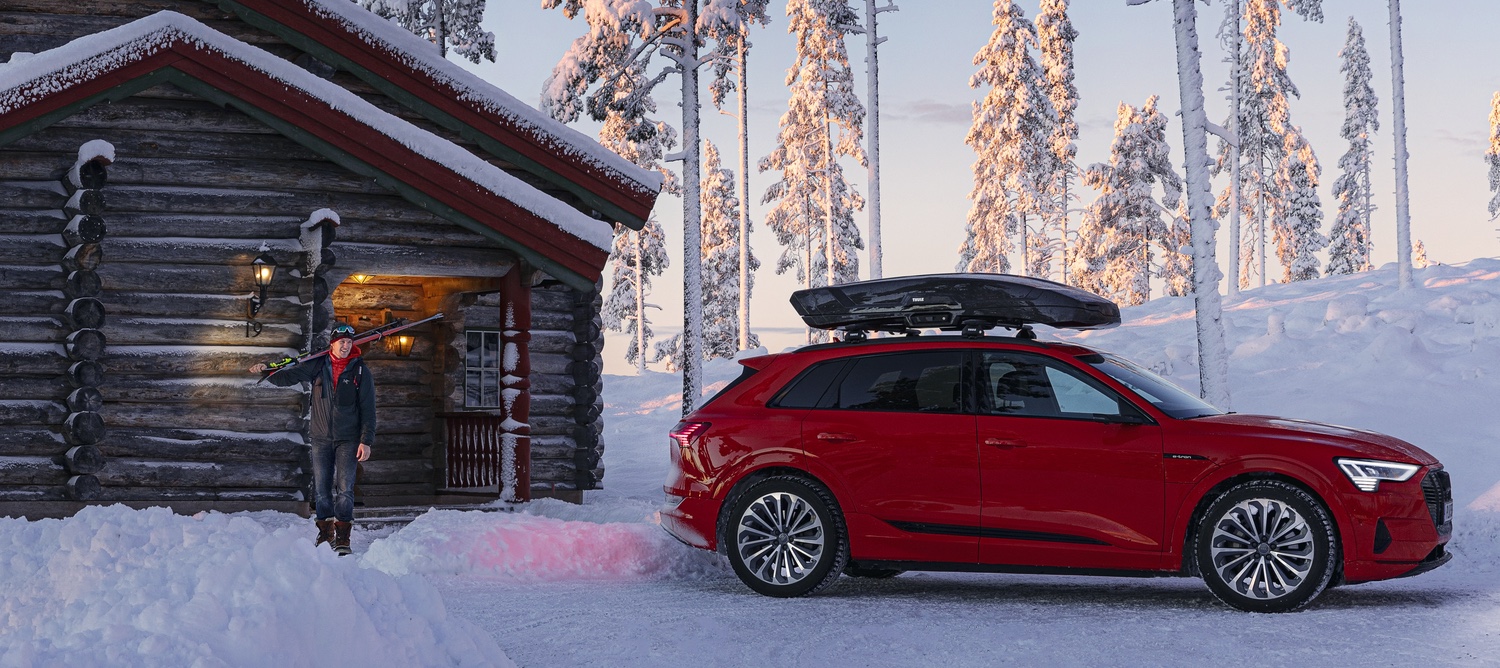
[{"x": 1162, "y": 394}]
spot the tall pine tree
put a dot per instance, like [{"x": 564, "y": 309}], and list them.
[
  {"x": 635, "y": 258},
  {"x": 1055, "y": 37},
  {"x": 450, "y": 24},
  {"x": 1492, "y": 155},
  {"x": 1114, "y": 256},
  {"x": 1349, "y": 240},
  {"x": 1263, "y": 89},
  {"x": 721, "y": 259},
  {"x": 1298, "y": 214},
  {"x": 1014, "y": 168},
  {"x": 814, "y": 204}
]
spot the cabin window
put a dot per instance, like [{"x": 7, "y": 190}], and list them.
[{"x": 482, "y": 369}]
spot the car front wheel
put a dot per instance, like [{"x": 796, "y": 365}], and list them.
[
  {"x": 1266, "y": 546},
  {"x": 786, "y": 537}
]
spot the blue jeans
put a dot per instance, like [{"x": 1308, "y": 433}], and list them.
[{"x": 333, "y": 467}]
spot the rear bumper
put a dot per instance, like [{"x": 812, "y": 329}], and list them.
[{"x": 694, "y": 522}]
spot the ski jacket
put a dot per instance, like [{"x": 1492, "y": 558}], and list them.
[{"x": 345, "y": 413}]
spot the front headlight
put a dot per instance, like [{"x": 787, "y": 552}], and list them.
[{"x": 1366, "y": 474}]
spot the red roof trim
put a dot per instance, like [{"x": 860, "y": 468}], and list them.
[{"x": 297, "y": 16}]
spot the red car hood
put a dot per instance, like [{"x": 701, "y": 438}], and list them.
[{"x": 1360, "y": 442}]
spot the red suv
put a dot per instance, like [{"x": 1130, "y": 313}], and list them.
[{"x": 1006, "y": 454}]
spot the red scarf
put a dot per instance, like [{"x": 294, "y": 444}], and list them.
[{"x": 339, "y": 364}]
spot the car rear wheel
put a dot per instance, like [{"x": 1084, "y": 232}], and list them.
[
  {"x": 1266, "y": 546},
  {"x": 786, "y": 537}
]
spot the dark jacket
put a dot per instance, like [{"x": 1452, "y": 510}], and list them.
[{"x": 344, "y": 414}]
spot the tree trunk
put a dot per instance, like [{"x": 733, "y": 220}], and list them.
[
  {"x": 1398, "y": 111},
  {"x": 1213, "y": 355},
  {"x": 640, "y": 307},
  {"x": 1234, "y": 154},
  {"x": 872, "y": 74},
  {"x": 744, "y": 122},
  {"x": 692, "y": 218}
]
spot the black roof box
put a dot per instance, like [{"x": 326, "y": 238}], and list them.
[{"x": 951, "y": 301}]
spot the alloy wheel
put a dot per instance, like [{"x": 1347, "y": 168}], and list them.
[
  {"x": 780, "y": 538},
  {"x": 1262, "y": 548}
]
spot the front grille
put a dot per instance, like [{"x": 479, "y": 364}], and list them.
[{"x": 1437, "y": 490}]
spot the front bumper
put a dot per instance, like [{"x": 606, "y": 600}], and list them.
[{"x": 1401, "y": 530}]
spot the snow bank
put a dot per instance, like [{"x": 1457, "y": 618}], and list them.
[
  {"x": 120, "y": 587},
  {"x": 527, "y": 547}
]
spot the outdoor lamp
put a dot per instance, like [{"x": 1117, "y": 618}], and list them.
[
  {"x": 361, "y": 278},
  {"x": 263, "y": 268},
  {"x": 403, "y": 344}
]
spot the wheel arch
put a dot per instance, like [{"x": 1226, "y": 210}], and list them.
[
  {"x": 748, "y": 480},
  {"x": 1189, "y": 529}
]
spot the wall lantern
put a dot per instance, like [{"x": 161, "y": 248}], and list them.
[
  {"x": 263, "y": 268},
  {"x": 361, "y": 278},
  {"x": 403, "y": 344}
]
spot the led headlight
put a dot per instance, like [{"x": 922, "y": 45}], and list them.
[{"x": 1366, "y": 474}]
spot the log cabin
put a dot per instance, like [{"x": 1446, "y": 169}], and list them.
[{"x": 188, "y": 187}]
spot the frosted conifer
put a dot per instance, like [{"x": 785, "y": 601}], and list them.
[
  {"x": 1419, "y": 255},
  {"x": 635, "y": 258},
  {"x": 1492, "y": 155},
  {"x": 449, "y": 24},
  {"x": 721, "y": 259},
  {"x": 1014, "y": 169},
  {"x": 1124, "y": 221},
  {"x": 1176, "y": 263},
  {"x": 814, "y": 204},
  {"x": 1299, "y": 213},
  {"x": 1349, "y": 240},
  {"x": 1055, "y": 36}
]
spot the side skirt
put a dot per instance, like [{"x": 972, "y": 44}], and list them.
[{"x": 953, "y": 567}]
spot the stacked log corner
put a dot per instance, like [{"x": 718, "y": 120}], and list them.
[
  {"x": 587, "y": 392},
  {"x": 515, "y": 390},
  {"x": 83, "y": 428}
]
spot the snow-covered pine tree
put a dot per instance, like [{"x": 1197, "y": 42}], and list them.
[
  {"x": 1055, "y": 36},
  {"x": 1177, "y": 266},
  {"x": 721, "y": 255},
  {"x": 451, "y": 24},
  {"x": 1261, "y": 87},
  {"x": 1419, "y": 255},
  {"x": 1124, "y": 220},
  {"x": 636, "y": 257},
  {"x": 814, "y": 205},
  {"x": 732, "y": 57},
  {"x": 1208, "y": 316},
  {"x": 1014, "y": 169},
  {"x": 624, "y": 37},
  {"x": 1298, "y": 215},
  {"x": 1349, "y": 240},
  {"x": 1492, "y": 155}
]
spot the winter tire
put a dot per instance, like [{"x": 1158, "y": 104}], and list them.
[
  {"x": 858, "y": 571},
  {"x": 786, "y": 538},
  {"x": 1267, "y": 546}
]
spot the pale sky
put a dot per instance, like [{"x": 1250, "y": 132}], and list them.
[{"x": 1123, "y": 54}]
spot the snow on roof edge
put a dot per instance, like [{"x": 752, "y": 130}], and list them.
[
  {"x": 421, "y": 55},
  {"x": 67, "y": 65}
]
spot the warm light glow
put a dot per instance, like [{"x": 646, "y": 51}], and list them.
[
  {"x": 361, "y": 278},
  {"x": 403, "y": 344},
  {"x": 263, "y": 274}
]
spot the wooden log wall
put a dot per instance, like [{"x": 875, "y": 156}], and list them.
[{"x": 194, "y": 192}]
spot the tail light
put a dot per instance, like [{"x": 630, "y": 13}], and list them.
[{"x": 686, "y": 432}]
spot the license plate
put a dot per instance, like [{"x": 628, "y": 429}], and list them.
[{"x": 1447, "y": 511}]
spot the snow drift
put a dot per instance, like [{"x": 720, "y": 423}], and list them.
[{"x": 113, "y": 586}]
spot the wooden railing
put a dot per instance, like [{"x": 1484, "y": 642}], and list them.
[{"x": 481, "y": 454}]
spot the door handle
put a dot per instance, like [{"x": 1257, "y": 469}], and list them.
[
  {"x": 1004, "y": 443},
  {"x": 836, "y": 437}
]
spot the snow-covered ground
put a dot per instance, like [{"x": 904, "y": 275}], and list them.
[{"x": 602, "y": 585}]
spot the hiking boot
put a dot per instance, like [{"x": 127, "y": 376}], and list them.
[
  {"x": 325, "y": 532},
  {"x": 341, "y": 537}
]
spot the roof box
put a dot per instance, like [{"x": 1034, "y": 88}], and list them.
[{"x": 953, "y": 301}]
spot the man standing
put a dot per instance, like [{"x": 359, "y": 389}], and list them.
[{"x": 342, "y": 429}]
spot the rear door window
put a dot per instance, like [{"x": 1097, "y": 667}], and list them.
[{"x": 918, "y": 382}]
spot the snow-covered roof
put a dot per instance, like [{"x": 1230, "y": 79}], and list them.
[
  {"x": 423, "y": 56},
  {"x": 30, "y": 79}
]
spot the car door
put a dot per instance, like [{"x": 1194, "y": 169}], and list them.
[
  {"x": 897, "y": 440},
  {"x": 1071, "y": 472}
]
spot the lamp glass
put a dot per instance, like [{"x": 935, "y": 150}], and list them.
[
  {"x": 265, "y": 270},
  {"x": 403, "y": 345}
]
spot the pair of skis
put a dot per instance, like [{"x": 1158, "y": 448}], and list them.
[{"x": 376, "y": 334}]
